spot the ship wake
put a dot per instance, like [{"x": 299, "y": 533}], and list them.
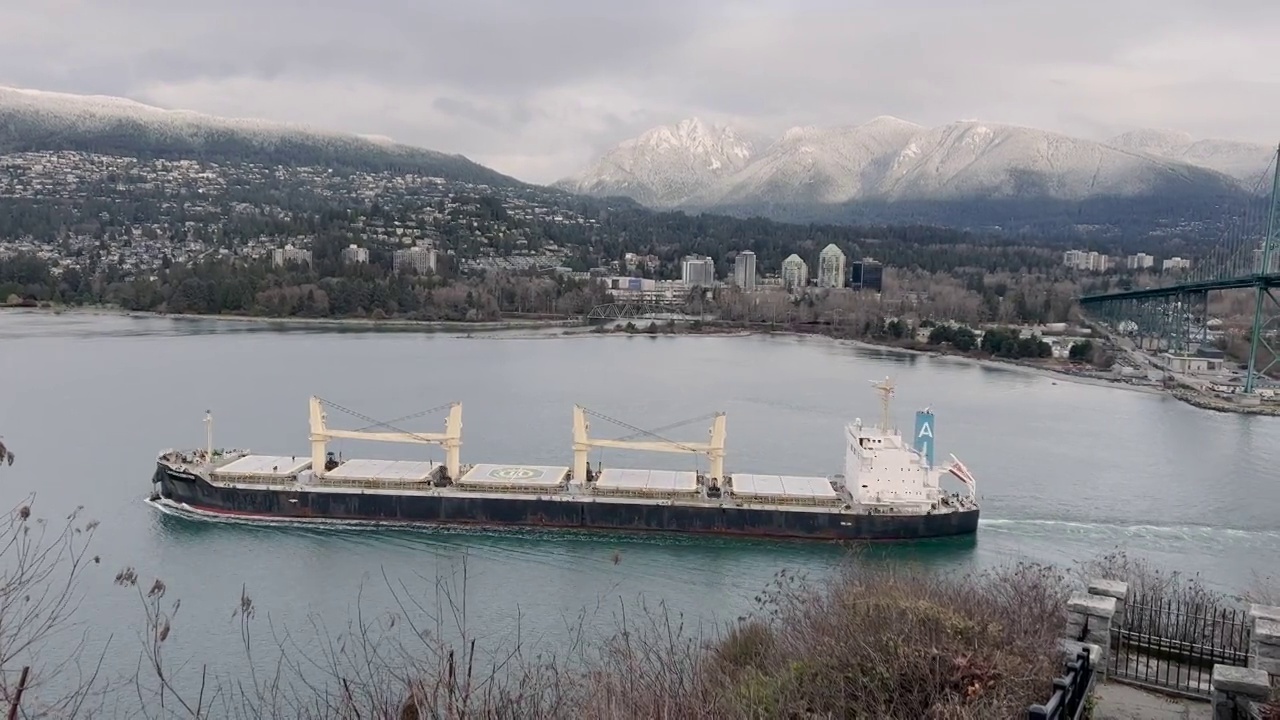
[{"x": 1122, "y": 531}]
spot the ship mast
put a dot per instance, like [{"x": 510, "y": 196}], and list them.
[
  {"x": 886, "y": 389},
  {"x": 208, "y": 422}
]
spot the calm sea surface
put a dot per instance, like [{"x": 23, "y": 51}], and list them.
[{"x": 1065, "y": 471}]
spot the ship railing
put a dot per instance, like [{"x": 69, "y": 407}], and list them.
[
  {"x": 789, "y": 500},
  {"x": 542, "y": 489},
  {"x": 225, "y": 479},
  {"x": 648, "y": 494},
  {"x": 372, "y": 484}
]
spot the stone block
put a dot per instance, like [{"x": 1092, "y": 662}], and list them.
[
  {"x": 1095, "y": 631},
  {"x": 1266, "y": 632},
  {"x": 1117, "y": 589},
  {"x": 1268, "y": 612},
  {"x": 1224, "y": 706},
  {"x": 1249, "y": 683},
  {"x": 1075, "y": 623},
  {"x": 1092, "y": 605},
  {"x": 1270, "y": 665},
  {"x": 1071, "y": 648}
]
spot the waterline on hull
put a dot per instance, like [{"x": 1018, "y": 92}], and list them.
[{"x": 170, "y": 507}]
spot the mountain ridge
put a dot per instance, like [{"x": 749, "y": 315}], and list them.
[
  {"x": 966, "y": 174},
  {"x": 888, "y": 160},
  {"x": 678, "y": 159},
  {"x": 40, "y": 120}
]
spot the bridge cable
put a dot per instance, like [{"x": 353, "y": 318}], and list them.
[{"x": 1225, "y": 256}]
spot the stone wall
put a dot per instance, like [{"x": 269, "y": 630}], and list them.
[
  {"x": 1238, "y": 690},
  {"x": 1091, "y": 614},
  {"x": 1264, "y": 646}
]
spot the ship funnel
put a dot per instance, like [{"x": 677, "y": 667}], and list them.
[{"x": 922, "y": 441}]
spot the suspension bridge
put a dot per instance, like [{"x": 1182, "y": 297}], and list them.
[{"x": 1175, "y": 317}]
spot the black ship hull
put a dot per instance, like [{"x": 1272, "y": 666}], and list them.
[{"x": 488, "y": 511}]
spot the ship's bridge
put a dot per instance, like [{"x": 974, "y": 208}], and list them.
[
  {"x": 881, "y": 470},
  {"x": 873, "y": 438}
]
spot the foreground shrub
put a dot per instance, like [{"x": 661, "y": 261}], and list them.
[
  {"x": 865, "y": 643},
  {"x": 883, "y": 644}
]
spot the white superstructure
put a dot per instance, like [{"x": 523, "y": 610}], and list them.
[{"x": 882, "y": 470}]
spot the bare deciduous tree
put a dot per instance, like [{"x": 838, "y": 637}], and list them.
[{"x": 41, "y": 564}]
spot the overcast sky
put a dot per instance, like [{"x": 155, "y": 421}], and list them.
[{"x": 536, "y": 88}]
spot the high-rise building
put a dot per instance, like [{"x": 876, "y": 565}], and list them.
[
  {"x": 795, "y": 272},
  {"x": 355, "y": 254},
  {"x": 1141, "y": 261},
  {"x": 1092, "y": 260},
  {"x": 290, "y": 254},
  {"x": 831, "y": 267},
  {"x": 696, "y": 271},
  {"x": 421, "y": 258},
  {"x": 1175, "y": 263},
  {"x": 744, "y": 270},
  {"x": 866, "y": 274}
]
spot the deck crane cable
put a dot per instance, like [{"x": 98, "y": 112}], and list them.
[
  {"x": 389, "y": 426},
  {"x": 673, "y": 426},
  {"x": 654, "y": 434},
  {"x": 414, "y": 416}
]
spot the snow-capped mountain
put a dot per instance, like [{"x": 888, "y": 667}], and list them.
[
  {"x": 812, "y": 164},
  {"x": 1246, "y": 162},
  {"x": 38, "y": 120},
  {"x": 665, "y": 165},
  {"x": 972, "y": 159},
  {"x": 892, "y": 160}
]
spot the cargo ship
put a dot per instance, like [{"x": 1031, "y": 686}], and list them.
[{"x": 889, "y": 490}]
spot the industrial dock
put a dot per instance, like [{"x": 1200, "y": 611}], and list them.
[{"x": 889, "y": 490}]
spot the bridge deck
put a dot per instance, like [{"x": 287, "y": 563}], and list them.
[{"x": 1268, "y": 280}]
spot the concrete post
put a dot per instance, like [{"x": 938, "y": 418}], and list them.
[
  {"x": 1235, "y": 689},
  {"x": 1264, "y": 643},
  {"x": 1089, "y": 621},
  {"x": 1117, "y": 589}
]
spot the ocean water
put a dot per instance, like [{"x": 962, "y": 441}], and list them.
[{"x": 1065, "y": 471}]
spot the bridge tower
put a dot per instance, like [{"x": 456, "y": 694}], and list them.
[{"x": 1262, "y": 289}]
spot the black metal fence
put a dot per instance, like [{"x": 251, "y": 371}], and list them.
[
  {"x": 1070, "y": 692},
  {"x": 1173, "y": 642}
]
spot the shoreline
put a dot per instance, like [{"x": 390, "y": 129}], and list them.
[
  {"x": 992, "y": 363},
  {"x": 364, "y": 323},
  {"x": 577, "y": 328}
]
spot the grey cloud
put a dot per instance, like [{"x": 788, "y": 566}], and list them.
[
  {"x": 500, "y": 45},
  {"x": 538, "y": 87},
  {"x": 501, "y": 115}
]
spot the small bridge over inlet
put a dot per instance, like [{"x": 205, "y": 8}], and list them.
[{"x": 637, "y": 307}]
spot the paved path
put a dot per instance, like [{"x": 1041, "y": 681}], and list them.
[{"x": 1124, "y": 702}]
